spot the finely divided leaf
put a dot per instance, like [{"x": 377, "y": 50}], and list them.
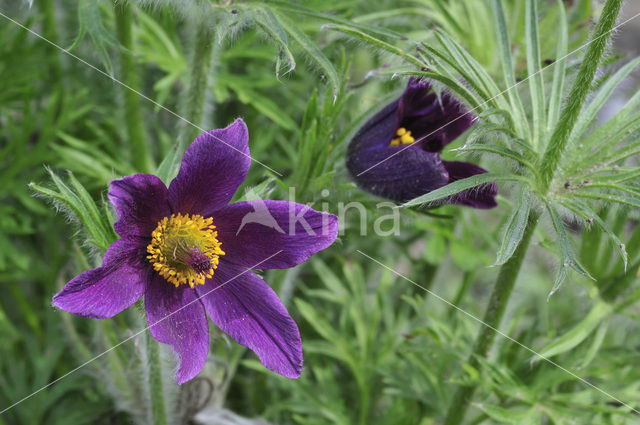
[
  {"x": 375, "y": 42},
  {"x": 536, "y": 81},
  {"x": 491, "y": 93},
  {"x": 584, "y": 211},
  {"x": 502, "y": 31},
  {"x": 591, "y": 111},
  {"x": 90, "y": 22},
  {"x": 555, "y": 102},
  {"x": 460, "y": 185},
  {"x": 312, "y": 50},
  {"x": 578, "y": 334},
  {"x": 568, "y": 257},
  {"x": 515, "y": 226},
  {"x": 268, "y": 22}
]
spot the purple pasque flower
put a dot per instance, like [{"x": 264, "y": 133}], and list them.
[
  {"x": 188, "y": 251},
  {"x": 396, "y": 154}
]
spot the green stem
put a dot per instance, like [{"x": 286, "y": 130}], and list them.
[
  {"x": 427, "y": 273},
  {"x": 198, "y": 84},
  {"x": 578, "y": 95},
  {"x": 158, "y": 412},
  {"x": 462, "y": 291},
  {"x": 496, "y": 307},
  {"x": 132, "y": 110},
  {"x": 50, "y": 32}
]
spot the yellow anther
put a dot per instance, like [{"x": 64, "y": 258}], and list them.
[
  {"x": 406, "y": 138},
  {"x": 184, "y": 249}
]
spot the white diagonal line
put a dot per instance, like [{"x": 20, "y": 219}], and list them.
[
  {"x": 133, "y": 336},
  {"x": 133, "y": 90},
  {"x": 496, "y": 96},
  {"x": 477, "y": 319}
]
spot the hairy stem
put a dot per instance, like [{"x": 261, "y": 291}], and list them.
[
  {"x": 198, "y": 83},
  {"x": 496, "y": 307},
  {"x": 158, "y": 412},
  {"x": 50, "y": 31},
  {"x": 579, "y": 91},
  {"x": 136, "y": 134}
]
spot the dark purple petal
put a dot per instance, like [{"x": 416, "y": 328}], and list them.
[
  {"x": 245, "y": 307},
  {"x": 401, "y": 173},
  {"x": 176, "y": 317},
  {"x": 141, "y": 201},
  {"x": 483, "y": 196},
  {"x": 107, "y": 290},
  {"x": 397, "y": 173},
  {"x": 377, "y": 132},
  {"x": 212, "y": 168},
  {"x": 273, "y": 234},
  {"x": 437, "y": 119}
]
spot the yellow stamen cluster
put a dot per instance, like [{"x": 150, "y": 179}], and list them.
[
  {"x": 404, "y": 138},
  {"x": 184, "y": 249}
]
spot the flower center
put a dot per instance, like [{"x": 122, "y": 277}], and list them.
[
  {"x": 404, "y": 138},
  {"x": 184, "y": 249}
]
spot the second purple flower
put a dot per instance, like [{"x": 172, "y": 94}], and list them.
[{"x": 396, "y": 154}]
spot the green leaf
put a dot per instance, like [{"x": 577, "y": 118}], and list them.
[
  {"x": 515, "y": 226},
  {"x": 491, "y": 93},
  {"x": 479, "y": 130},
  {"x": 622, "y": 199},
  {"x": 578, "y": 334},
  {"x": 530, "y": 416},
  {"x": 263, "y": 104},
  {"x": 460, "y": 69},
  {"x": 83, "y": 163},
  {"x": 499, "y": 150},
  {"x": 591, "y": 111},
  {"x": 555, "y": 101},
  {"x": 450, "y": 83},
  {"x": 168, "y": 168},
  {"x": 584, "y": 211},
  {"x": 460, "y": 185},
  {"x": 293, "y": 7},
  {"x": 568, "y": 257},
  {"x": 375, "y": 42},
  {"x": 312, "y": 50},
  {"x": 599, "y": 148},
  {"x": 598, "y": 339},
  {"x": 502, "y": 32},
  {"x": 268, "y": 22},
  {"x": 96, "y": 227},
  {"x": 534, "y": 69},
  {"x": 90, "y": 205},
  {"x": 90, "y": 23}
]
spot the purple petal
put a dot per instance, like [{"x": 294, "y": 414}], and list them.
[
  {"x": 437, "y": 119},
  {"x": 397, "y": 173},
  {"x": 273, "y": 234},
  {"x": 141, "y": 201},
  {"x": 483, "y": 196},
  {"x": 212, "y": 168},
  {"x": 377, "y": 132},
  {"x": 245, "y": 307},
  {"x": 106, "y": 291},
  {"x": 176, "y": 317}
]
